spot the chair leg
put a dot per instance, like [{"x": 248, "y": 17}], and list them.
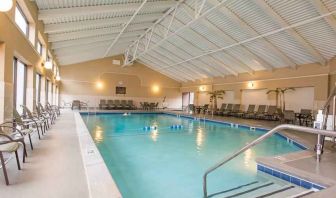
[
  {"x": 38, "y": 131},
  {"x": 24, "y": 152},
  {"x": 31, "y": 144},
  {"x": 17, "y": 160},
  {"x": 4, "y": 168}
]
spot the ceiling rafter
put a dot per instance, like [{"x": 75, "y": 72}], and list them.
[
  {"x": 161, "y": 59},
  {"x": 278, "y": 19},
  {"x": 210, "y": 72},
  {"x": 242, "y": 64},
  {"x": 171, "y": 54},
  {"x": 86, "y": 10},
  {"x": 88, "y": 40},
  {"x": 213, "y": 27},
  {"x": 322, "y": 9},
  {"x": 90, "y": 33},
  {"x": 97, "y": 23},
  {"x": 194, "y": 73},
  {"x": 181, "y": 29},
  {"x": 235, "y": 18},
  {"x": 155, "y": 60},
  {"x": 124, "y": 28},
  {"x": 262, "y": 35}
]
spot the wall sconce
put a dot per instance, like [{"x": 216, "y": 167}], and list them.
[
  {"x": 250, "y": 84},
  {"x": 48, "y": 65},
  {"x": 99, "y": 84},
  {"x": 58, "y": 78},
  {"x": 6, "y": 5},
  {"x": 155, "y": 88},
  {"x": 202, "y": 88}
]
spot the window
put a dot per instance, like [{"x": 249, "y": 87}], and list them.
[
  {"x": 50, "y": 94},
  {"x": 21, "y": 20},
  {"x": 47, "y": 91},
  {"x": 19, "y": 81},
  {"x": 39, "y": 47},
  {"x": 38, "y": 88},
  {"x": 57, "y": 96}
]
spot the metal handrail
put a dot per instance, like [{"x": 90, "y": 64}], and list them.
[{"x": 260, "y": 139}]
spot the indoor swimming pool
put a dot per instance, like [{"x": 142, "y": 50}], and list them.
[{"x": 160, "y": 155}]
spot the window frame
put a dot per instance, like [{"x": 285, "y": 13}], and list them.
[
  {"x": 39, "y": 47},
  {"x": 38, "y": 88},
  {"x": 46, "y": 90},
  {"x": 26, "y": 20},
  {"x": 15, "y": 82}
]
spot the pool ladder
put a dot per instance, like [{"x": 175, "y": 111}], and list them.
[{"x": 319, "y": 132}]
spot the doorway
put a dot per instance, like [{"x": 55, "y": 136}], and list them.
[{"x": 187, "y": 99}]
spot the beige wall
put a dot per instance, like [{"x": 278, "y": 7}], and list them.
[
  {"x": 14, "y": 43},
  {"x": 79, "y": 82},
  {"x": 312, "y": 75}
]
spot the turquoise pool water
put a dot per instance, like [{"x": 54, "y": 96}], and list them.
[{"x": 170, "y": 163}]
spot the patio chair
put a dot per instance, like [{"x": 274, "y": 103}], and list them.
[
  {"x": 250, "y": 109},
  {"x": 146, "y": 106},
  {"x": 110, "y": 105},
  {"x": 271, "y": 113},
  {"x": 142, "y": 106},
  {"x": 204, "y": 109},
  {"x": 151, "y": 106},
  {"x": 103, "y": 104},
  {"x": 117, "y": 104},
  {"x": 306, "y": 117},
  {"x": 30, "y": 117},
  {"x": 8, "y": 145},
  {"x": 75, "y": 104},
  {"x": 54, "y": 108},
  {"x": 221, "y": 109},
  {"x": 289, "y": 116},
  {"x": 47, "y": 113},
  {"x": 260, "y": 112},
  {"x": 131, "y": 105},
  {"x": 45, "y": 116},
  {"x": 235, "y": 110},
  {"x": 227, "y": 110},
  {"x": 24, "y": 127},
  {"x": 9, "y": 129},
  {"x": 191, "y": 108},
  {"x": 124, "y": 104}
]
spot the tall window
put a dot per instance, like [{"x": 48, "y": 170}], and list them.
[
  {"x": 38, "y": 88},
  {"x": 19, "y": 81},
  {"x": 51, "y": 91},
  {"x": 57, "y": 96},
  {"x": 21, "y": 20},
  {"x": 39, "y": 47},
  {"x": 47, "y": 91}
]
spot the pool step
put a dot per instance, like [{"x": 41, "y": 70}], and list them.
[
  {"x": 262, "y": 190},
  {"x": 247, "y": 190}
]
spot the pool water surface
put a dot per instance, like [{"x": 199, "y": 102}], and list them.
[{"x": 166, "y": 161}]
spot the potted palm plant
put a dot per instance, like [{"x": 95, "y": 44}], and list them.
[
  {"x": 280, "y": 96},
  {"x": 214, "y": 95}
]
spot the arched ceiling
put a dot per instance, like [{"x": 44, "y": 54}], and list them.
[{"x": 193, "y": 39}]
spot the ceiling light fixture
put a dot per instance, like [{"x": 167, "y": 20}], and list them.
[
  {"x": 6, "y": 5},
  {"x": 48, "y": 65}
]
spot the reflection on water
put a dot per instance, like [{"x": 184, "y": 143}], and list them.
[
  {"x": 98, "y": 134},
  {"x": 154, "y": 135},
  {"x": 248, "y": 158},
  {"x": 199, "y": 139}
]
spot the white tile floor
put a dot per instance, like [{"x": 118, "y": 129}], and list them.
[{"x": 54, "y": 169}]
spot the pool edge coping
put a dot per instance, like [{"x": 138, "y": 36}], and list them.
[{"x": 94, "y": 164}]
